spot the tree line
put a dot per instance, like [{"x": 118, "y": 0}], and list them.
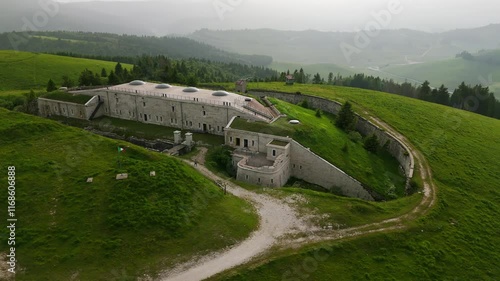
[
  {"x": 163, "y": 69},
  {"x": 105, "y": 45},
  {"x": 475, "y": 98}
]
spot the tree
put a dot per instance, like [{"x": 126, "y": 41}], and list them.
[
  {"x": 51, "y": 86},
  {"x": 192, "y": 80},
  {"x": 346, "y": 119},
  {"x": 330, "y": 78},
  {"x": 443, "y": 97},
  {"x": 67, "y": 82},
  {"x": 119, "y": 70},
  {"x": 87, "y": 78},
  {"x": 104, "y": 73},
  {"x": 112, "y": 79},
  {"x": 424, "y": 91},
  {"x": 317, "y": 79},
  {"x": 371, "y": 143},
  {"x": 30, "y": 105}
]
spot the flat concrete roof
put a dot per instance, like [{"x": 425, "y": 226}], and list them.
[{"x": 177, "y": 92}]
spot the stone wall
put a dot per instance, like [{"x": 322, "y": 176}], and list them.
[
  {"x": 310, "y": 167},
  {"x": 304, "y": 165},
  {"x": 272, "y": 176},
  {"x": 186, "y": 115},
  {"x": 397, "y": 149},
  {"x": 48, "y": 107}
]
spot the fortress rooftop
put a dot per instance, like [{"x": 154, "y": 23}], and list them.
[{"x": 182, "y": 93}]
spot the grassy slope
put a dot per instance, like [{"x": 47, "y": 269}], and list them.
[
  {"x": 22, "y": 70},
  {"x": 458, "y": 240},
  {"x": 378, "y": 171},
  {"x": 450, "y": 73},
  {"x": 67, "y": 226}
]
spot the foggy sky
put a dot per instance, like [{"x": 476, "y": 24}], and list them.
[{"x": 352, "y": 15}]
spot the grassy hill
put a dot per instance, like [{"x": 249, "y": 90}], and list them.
[
  {"x": 24, "y": 71},
  {"x": 482, "y": 70},
  {"x": 108, "y": 229},
  {"x": 115, "y": 45},
  {"x": 457, "y": 240}
]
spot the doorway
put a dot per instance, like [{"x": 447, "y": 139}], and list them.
[{"x": 204, "y": 127}]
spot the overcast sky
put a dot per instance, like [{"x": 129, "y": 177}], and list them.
[{"x": 343, "y": 15}]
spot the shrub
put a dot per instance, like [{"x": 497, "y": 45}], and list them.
[
  {"x": 346, "y": 119},
  {"x": 304, "y": 104},
  {"x": 318, "y": 113},
  {"x": 371, "y": 143},
  {"x": 355, "y": 136}
]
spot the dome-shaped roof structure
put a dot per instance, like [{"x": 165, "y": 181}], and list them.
[
  {"x": 163, "y": 86},
  {"x": 190, "y": 90},
  {"x": 220, "y": 93},
  {"x": 137, "y": 83}
]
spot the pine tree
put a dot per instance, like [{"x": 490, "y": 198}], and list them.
[
  {"x": 346, "y": 119},
  {"x": 51, "y": 86}
]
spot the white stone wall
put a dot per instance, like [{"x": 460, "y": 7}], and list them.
[
  {"x": 312, "y": 168},
  {"x": 47, "y": 107},
  {"x": 303, "y": 164},
  {"x": 183, "y": 114},
  {"x": 273, "y": 176}
]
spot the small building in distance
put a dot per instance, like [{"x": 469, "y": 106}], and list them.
[
  {"x": 289, "y": 79},
  {"x": 241, "y": 86}
]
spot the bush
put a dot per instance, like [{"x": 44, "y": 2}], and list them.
[
  {"x": 371, "y": 143},
  {"x": 346, "y": 119},
  {"x": 221, "y": 157},
  {"x": 318, "y": 113},
  {"x": 355, "y": 136},
  {"x": 304, "y": 104},
  {"x": 345, "y": 148}
]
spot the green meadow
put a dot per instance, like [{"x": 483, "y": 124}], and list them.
[
  {"x": 69, "y": 227},
  {"x": 25, "y": 71}
]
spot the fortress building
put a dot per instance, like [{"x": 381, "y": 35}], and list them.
[
  {"x": 260, "y": 158},
  {"x": 185, "y": 108}
]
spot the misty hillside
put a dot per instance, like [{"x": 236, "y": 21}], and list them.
[
  {"x": 389, "y": 47},
  {"x": 157, "y": 18},
  {"x": 113, "y": 45}
]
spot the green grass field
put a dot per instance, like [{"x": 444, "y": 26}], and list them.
[
  {"x": 24, "y": 71},
  {"x": 68, "y": 227},
  {"x": 457, "y": 240},
  {"x": 378, "y": 171}
]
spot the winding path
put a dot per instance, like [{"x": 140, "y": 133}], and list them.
[{"x": 280, "y": 222}]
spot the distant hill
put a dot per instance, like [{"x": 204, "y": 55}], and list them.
[
  {"x": 389, "y": 47},
  {"x": 24, "y": 71},
  {"x": 113, "y": 45},
  {"x": 483, "y": 68}
]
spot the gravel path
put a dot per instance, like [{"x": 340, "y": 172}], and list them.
[{"x": 278, "y": 220}]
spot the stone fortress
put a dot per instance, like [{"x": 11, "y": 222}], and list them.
[{"x": 259, "y": 158}]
